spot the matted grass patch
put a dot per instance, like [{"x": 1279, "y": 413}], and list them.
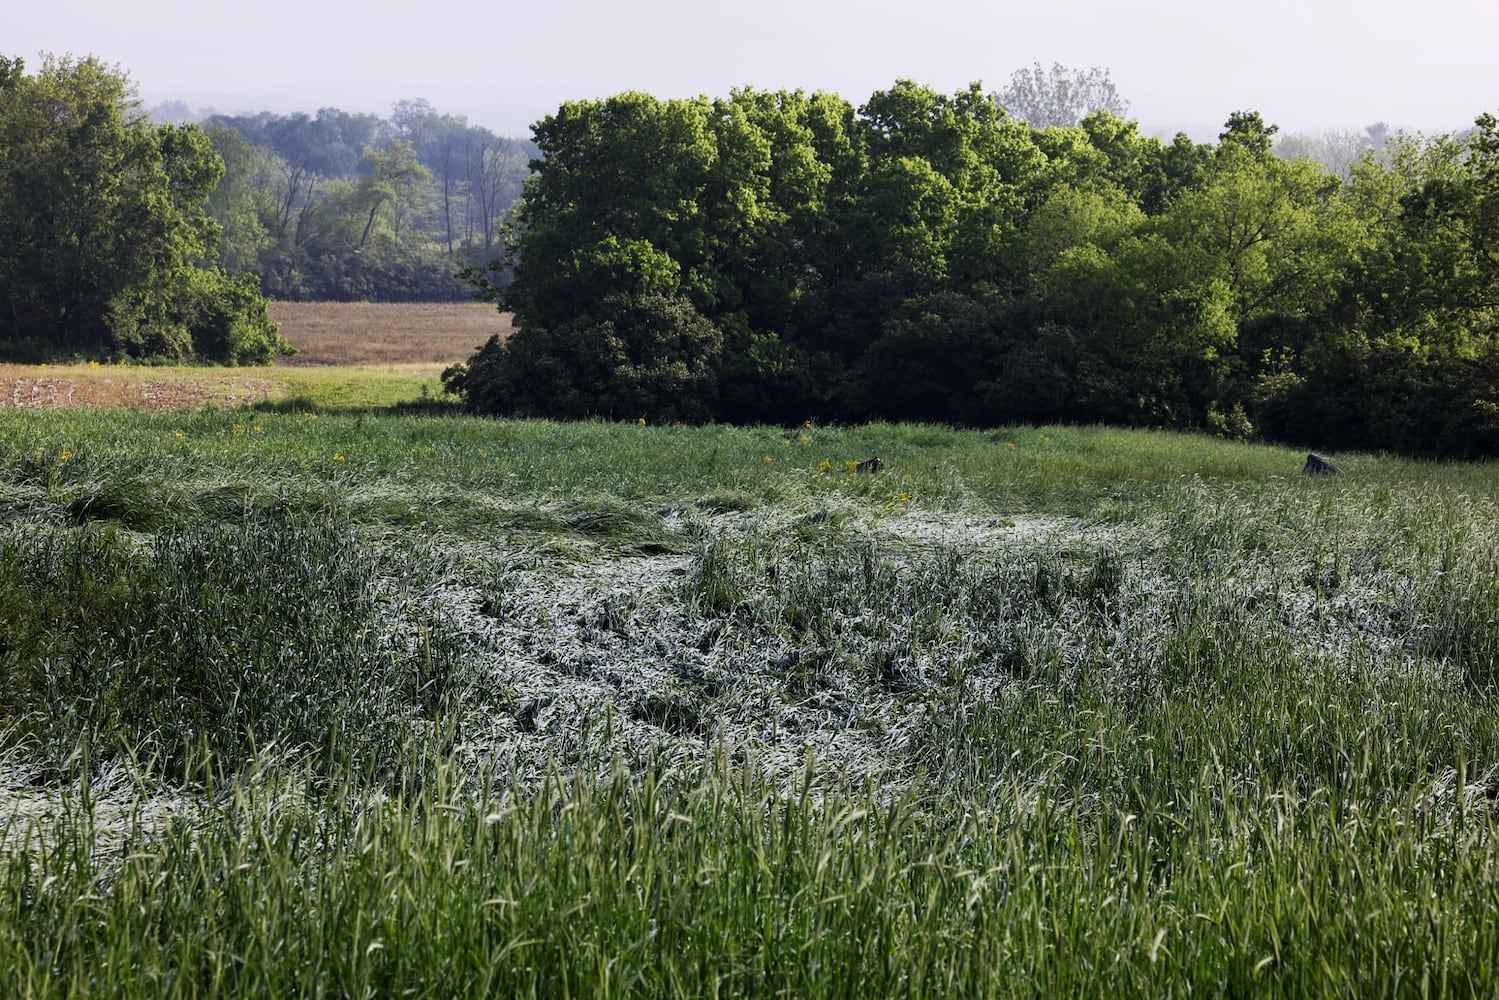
[{"x": 297, "y": 704}]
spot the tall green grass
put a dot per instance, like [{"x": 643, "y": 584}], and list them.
[{"x": 297, "y": 704}]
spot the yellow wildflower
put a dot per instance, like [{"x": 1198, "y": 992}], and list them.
[
  {"x": 905, "y": 498},
  {"x": 178, "y": 434},
  {"x": 851, "y": 464},
  {"x": 767, "y": 460},
  {"x": 641, "y": 421},
  {"x": 824, "y": 466},
  {"x": 804, "y": 439},
  {"x": 93, "y": 364},
  {"x": 337, "y": 457},
  {"x": 1009, "y": 444},
  {"x": 64, "y": 455}
]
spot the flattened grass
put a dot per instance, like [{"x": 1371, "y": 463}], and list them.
[{"x": 465, "y": 707}]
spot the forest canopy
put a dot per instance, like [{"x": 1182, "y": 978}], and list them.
[
  {"x": 106, "y": 246},
  {"x": 778, "y": 256}
]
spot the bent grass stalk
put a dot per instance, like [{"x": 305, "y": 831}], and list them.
[{"x": 527, "y": 708}]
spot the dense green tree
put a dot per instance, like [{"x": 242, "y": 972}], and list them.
[
  {"x": 1408, "y": 358},
  {"x": 392, "y": 189},
  {"x": 647, "y": 356},
  {"x": 1272, "y": 231},
  {"x": 946, "y": 182},
  {"x": 1246, "y": 130},
  {"x": 929, "y": 257},
  {"x": 105, "y": 245},
  {"x": 615, "y": 204},
  {"x": 931, "y": 360},
  {"x": 1453, "y": 218}
]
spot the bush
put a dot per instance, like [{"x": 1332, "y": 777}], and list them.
[
  {"x": 1387, "y": 396},
  {"x": 230, "y": 323},
  {"x": 651, "y": 356}
]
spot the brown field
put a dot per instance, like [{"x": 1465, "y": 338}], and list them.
[
  {"x": 62, "y": 386},
  {"x": 387, "y": 352},
  {"x": 379, "y": 333}
]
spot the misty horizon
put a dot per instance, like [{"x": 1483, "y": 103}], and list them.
[{"x": 1182, "y": 65}]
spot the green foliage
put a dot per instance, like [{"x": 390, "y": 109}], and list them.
[
  {"x": 1247, "y": 131},
  {"x": 212, "y": 642},
  {"x": 349, "y": 207},
  {"x": 927, "y": 257},
  {"x": 1438, "y": 403},
  {"x": 230, "y": 323},
  {"x": 649, "y": 357},
  {"x": 103, "y": 228},
  {"x": 929, "y": 362}
]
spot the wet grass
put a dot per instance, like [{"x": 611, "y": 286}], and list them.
[{"x": 296, "y": 704}]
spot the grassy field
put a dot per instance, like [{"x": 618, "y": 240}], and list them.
[
  {"x": 300, "y": 704},
  {"x": 350, "y": 357}
]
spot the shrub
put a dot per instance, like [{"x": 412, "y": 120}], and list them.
[{"x": 651, "y": 356}]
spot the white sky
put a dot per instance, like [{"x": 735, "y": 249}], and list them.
[{"x": 1304, "y": 64}]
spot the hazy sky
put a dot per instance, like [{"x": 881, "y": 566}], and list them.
[{"x": 1305, "y": 64}]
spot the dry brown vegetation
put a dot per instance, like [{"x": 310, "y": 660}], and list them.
[
  {"x": 382, "y": 346},
  {"x": 380, "y": 333},
  {"x": 54, "y": 387}
]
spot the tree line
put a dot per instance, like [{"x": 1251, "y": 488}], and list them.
[
  {"x": 126, "y": 236},
  {"x": 343, "y": 206},
  {"x": 775, "y": 256},
  {"x": 106, "y": 245}
]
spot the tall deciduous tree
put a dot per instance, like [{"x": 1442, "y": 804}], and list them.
[{"x": 104, "y": 241}]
